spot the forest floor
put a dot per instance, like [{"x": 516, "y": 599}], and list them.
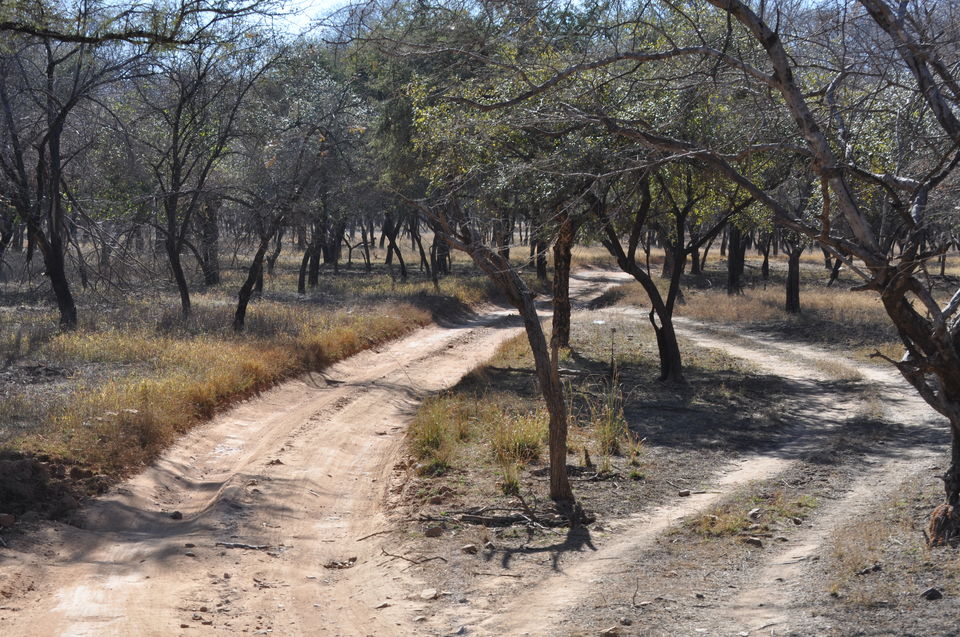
[{"x": 782, "y": 492}]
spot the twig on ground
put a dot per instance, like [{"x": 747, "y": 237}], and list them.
[
  {"x": 498, "y": 574},
  {"x": 419, "y": 560},
  {"x": 238, "y": 545},
  {"x": 360, "y": 539}
]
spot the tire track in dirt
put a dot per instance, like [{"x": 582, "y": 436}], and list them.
[
  {"x": 299, "y": 473},
  {"x": 768, "y": 604},
  {"x": 548, "y": 607}
]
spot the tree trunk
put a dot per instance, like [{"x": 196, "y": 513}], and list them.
[
  {"x": 302, "y": 277},
  {"x": 313, "y": 274},
  {"x": 54, "y": 263},
  {"x": 541, "y": 255},
  {"x": 792, "y": 304},
  {"x": 668, "y": 261},
  {"x": 671, "y": 365},
  {"x": 548, "y": 376},
  {"x": 735, "y": 257},
  {"x": 367, "y": 240},
  {"x": 835, "y": 272},
  {"x": 278, "y": 246},
  {"x": 765, "y": 267},
  {"x": 562, "y": 256},
  {"x": 254, "y": 274},
  {"x": 173, "y": 254},
  {"x": 209, "y": 232}
]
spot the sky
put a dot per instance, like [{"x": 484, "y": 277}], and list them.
[{"x": 306, "y": 11}]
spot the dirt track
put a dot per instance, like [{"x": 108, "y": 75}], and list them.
[{"x": 304, "y": 472}]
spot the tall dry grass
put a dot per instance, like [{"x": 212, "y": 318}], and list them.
[
  {"x": 135, "y": 375},
  {"x": 167, "y": 382}
]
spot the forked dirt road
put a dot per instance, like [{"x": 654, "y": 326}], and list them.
[
  {"x": 231, "y": 529},
  {"x": 275, "y": 490}
]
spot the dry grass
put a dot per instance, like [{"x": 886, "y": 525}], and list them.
[
  {"x": 837, "y": 316},
  {"x": 513, "y": 433},
  {"x": 892, "y": 538},
  {"x": 732, "y": 517},
  {"x": 179, "y": 380},
  {"x": 134, "y": 375},
  {"x": 854, "y": 548},
  {"x": 836, "y": 370}
]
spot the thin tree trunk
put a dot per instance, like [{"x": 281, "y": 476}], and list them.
[
  {"x": 792, "y": 304},
  {"x": 254, "y": 274},
  {"x": 302, "y": 277},
  {"x": 735, "y": 256},
  {"x": 562, "y": 257},
  {"x": 541, "y": 255},
  {"x": 173, "y": 254},
  {"x": 278, "y": 246}
]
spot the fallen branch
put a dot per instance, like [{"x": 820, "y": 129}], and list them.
[
  {"x": 420, "y": 560},
  {"x": 498, "y": 574},
  {"x": 238, "y": 545},
  {"x": 495, "y": 520},
  {"x": 365, "y": 537}
]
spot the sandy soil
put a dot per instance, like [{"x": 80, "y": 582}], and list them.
[{"x": 295, "y": 480}]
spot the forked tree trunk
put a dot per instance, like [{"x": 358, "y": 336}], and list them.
[
  {"x": 765, "y": 266},
  {"x": 835, "y": 272},
  {"x": 278, "y": 246},
  {"x": 548, "y": 376}
]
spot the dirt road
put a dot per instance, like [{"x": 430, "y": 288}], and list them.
[
  {"x": 554, "y": 604},
  {"x": 233, "y": 529}
]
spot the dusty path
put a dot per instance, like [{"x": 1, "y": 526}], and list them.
[
  {"x": 304, "y": 471},
  {"x": 300, "y": 473},
  {"x": 769, "y": 603},
  {"x": 549, "y": 607}
]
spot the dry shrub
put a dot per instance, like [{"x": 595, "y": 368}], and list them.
[
  {"x": 442, "y": 424},
  {"x": 606, "y": 418}
]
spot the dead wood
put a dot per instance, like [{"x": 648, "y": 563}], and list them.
[
  {"x": 238, "y": 545},
  {"x": 418, "y": 560}
]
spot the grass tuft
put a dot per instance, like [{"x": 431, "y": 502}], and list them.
[{"x": 732, "y": 517}]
